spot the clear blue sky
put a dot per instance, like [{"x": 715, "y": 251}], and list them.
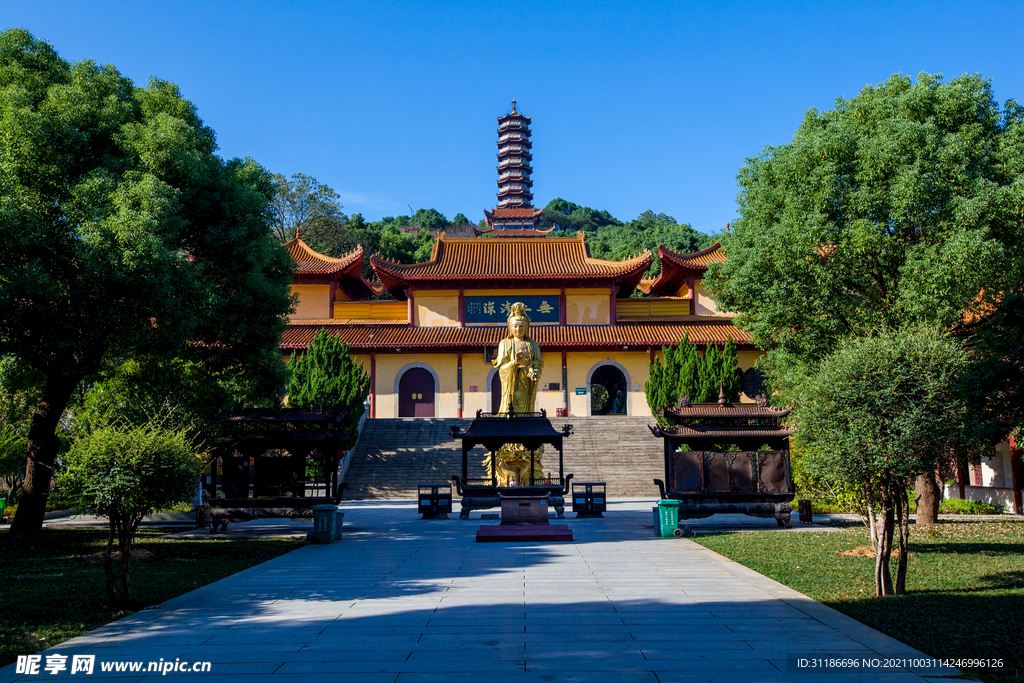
[{"x": 635, "y": 105}]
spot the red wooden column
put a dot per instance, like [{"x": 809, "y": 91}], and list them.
[
  {"x": 331, "y": 298},
  {"x": 459, "y": 411},
  {"x": 373, "y": 385},
  {"x": 1016, "y": 476},
  {"x": 561, "y": 308},
  {"x": 611, "y": 304},
  {"x": 565, "y": 384},
  {"x": 462, "y": 316},
  {"x": 691, "y": 285},
  {"x": 409, "y": 307}
]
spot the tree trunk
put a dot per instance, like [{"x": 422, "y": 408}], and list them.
[
  {"x": 903, "y": 508},
  {"x": 42, "y": 453},
  {"x": 869, "y": 512},
  {"x": 883, "y": 579},
  {"x": 113, "y": 595},
  {"x": 928, "y": 496}
]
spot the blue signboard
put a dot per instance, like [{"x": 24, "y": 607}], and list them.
[{"x": 495, "y": 309}]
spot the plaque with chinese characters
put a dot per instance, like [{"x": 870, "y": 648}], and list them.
[{"x": 495, "y": 309}]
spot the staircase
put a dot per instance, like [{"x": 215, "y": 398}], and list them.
[{"x": 395, "y": 455}]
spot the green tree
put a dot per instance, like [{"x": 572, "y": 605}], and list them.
[
  {"x": 901, "y": 206},
  {"x": 687, "y": 373},
  {"x": 429, "y": 219},
  {"x": 569, "y": 217},
  {"x": 124, "y": 234},
  {"x": 897, "y": 207},
  {"x": 18, "y": 396},
  {"x": 876, "y": 413},
  {"x": 306, "y": 205},
  {"x": 123, "y": 472},
  {"x": 326, "y": 379},
  {"x": 460, "y": 219},
  {"x": 133, "y": 391}
]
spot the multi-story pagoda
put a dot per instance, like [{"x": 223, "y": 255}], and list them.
[{"x": 514, "y": 215}]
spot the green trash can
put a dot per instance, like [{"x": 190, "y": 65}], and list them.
[
  {"x": 3, "y": 501},
  {"x": 323, "y": 523},
  {"x": 668, "y": 518}
]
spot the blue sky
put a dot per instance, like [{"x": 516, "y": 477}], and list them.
[{"x": 635, "y": 105}]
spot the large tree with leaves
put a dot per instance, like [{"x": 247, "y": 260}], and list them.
[
  {"x": 123, "y": 234},
  {"x": 901, "y": 206}
]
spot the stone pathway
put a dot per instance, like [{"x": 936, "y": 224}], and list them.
[{"x": 401, "y": 600}]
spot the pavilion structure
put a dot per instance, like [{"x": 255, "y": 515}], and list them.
[{"x": 426, "y": 332}]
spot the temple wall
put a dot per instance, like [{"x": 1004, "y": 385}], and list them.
[
  {"x": 587, "y": 306},
  {"x": 314, "y": 302},
  {"x": 436, "y": 309},
  {"x": 376, "y": 310},
  {"x": 444, "y": 366},
  {"x": 705, "y": 304},
  {"x": 475, "y": 372},
  {"x": 580, "y": 364}
]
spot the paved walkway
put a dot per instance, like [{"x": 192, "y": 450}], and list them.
[{"x": 401, "y": 600}]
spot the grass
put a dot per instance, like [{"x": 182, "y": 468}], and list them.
[
  {"x": 965, "y": 583},
  {"x": 50, "y": 593}
]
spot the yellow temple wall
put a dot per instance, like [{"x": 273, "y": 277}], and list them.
[
  {"x": 587, "y": 306},
  {"x": 444, "y": 365},
  {"x": 314, "y": 302},
  {"x": 580, "y": 364},
  {"x": 475, "y": 372},
  {"x": 648, "y": 308},
  {"x": 705, "y": 304},
  {"x": 436, "y": 309},
  {"x": 372, "y": 310}
]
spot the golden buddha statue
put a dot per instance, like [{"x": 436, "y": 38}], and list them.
[{"x": 519, "y": 366}]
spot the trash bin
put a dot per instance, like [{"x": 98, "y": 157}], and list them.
[
  {"x": 806, "y": 514},
  {"x": 338, "y": 519},
  {"x": 324, "y": 519},
  {"x": 3, "y": 501},
  {"x": 668, "y": 518}
]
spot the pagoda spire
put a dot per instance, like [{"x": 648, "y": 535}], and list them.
[
  {"x": 514, "y": 157},
  {"x": 514, "y": 216}
]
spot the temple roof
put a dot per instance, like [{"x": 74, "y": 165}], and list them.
[
  {"x": 528, "y": 212},
  {"x": 514, "y": 233},
  {"x": 677, "y": 268},
  {"x": 347, "y": 270},
  {"x": 398, "y": 335},
  {"x": 510, "y": 259},
  {"x": 718, "y": 432},
  {"x": 310, "y": 262},
  {"x": 738, "y": 410}
]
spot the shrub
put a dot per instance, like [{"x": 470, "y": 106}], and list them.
[
  {"x": 956, "y": 506},
  {"x": 123, "y": 472}
]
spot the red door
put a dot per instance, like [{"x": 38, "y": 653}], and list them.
[{"x": 416, "y": 394}]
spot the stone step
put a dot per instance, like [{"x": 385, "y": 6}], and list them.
[{"x": 396, "y": 455}]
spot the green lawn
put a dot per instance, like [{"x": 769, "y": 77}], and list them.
[
  {"x": 965, "y": 583},
  {"x": 50, "y": 593}
]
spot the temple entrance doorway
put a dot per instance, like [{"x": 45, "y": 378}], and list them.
[
  {"x": 496, "y": 393},
  {"x": 608, "y": 391},
  {"x": 416, "y": 393}
]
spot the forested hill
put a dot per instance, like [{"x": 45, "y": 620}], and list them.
[
  {"x": 610, "y": 238},
  {"x": 312, "y": 208}
]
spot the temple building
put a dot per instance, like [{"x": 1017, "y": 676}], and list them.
[{"x": 428, "y": 349}]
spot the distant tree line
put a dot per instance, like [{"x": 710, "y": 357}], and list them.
[{"x": 314, "y": 209}]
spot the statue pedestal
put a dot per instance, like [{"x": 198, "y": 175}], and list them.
[{"x": 523, "y": 509}]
